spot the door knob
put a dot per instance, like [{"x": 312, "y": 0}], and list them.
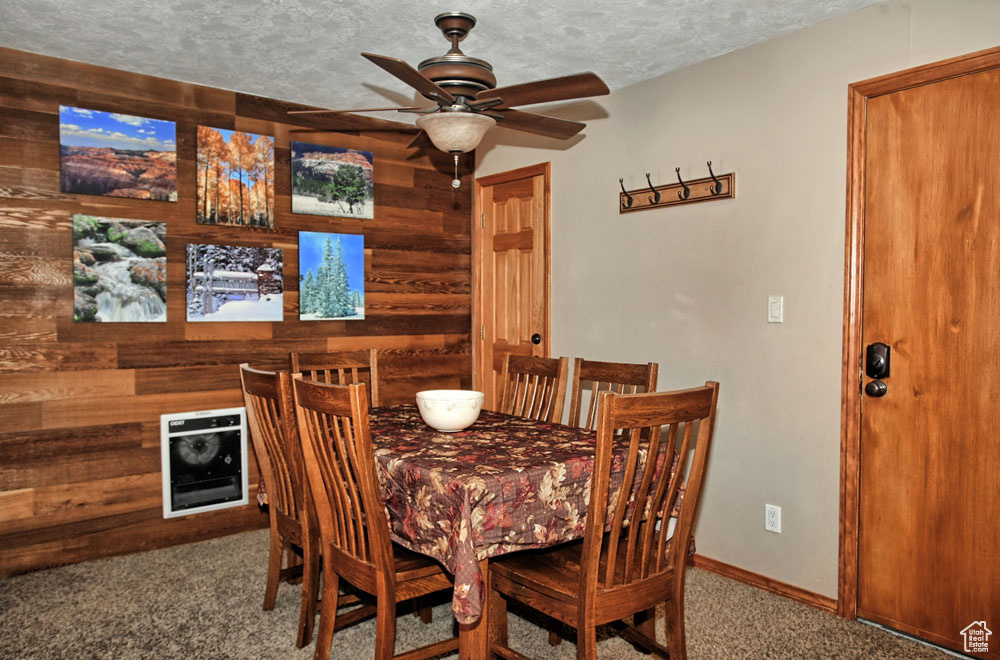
[
  {"x": 536, "y": 338},
  {"x": 876, "y": 388}
]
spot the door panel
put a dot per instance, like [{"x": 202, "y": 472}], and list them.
[
  {"x": 929, "y": 494},
  {"x": 513, "y": 276}
]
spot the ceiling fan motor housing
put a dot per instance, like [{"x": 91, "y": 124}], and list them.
[
  {"x": 459, "y": 74},
  {"x": 455, "y": 71}
]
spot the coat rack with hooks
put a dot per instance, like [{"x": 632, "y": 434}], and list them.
[{"x": 714, "y": 186}]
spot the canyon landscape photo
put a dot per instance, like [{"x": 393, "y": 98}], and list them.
[
  {"x": 332, "y": 181},
  {"x": 116, "y": 155}
]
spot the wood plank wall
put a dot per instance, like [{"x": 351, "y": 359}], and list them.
[{"x": 80, "y": 402}]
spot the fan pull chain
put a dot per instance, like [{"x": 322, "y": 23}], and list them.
[{"x": 456, "y": 183}]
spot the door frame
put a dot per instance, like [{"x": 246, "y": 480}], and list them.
[
  {"x": 478, "y": 294},
  {"x": 850, "y": 409}
]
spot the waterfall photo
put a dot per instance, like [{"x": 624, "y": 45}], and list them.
[
  {"x": 234, "y": 283},
  {"x": 331, "y": 276},
  {"x": 119, "y": 270}
]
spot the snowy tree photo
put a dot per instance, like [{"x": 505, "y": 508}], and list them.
[
  {"x": 234, "y": 283},
  {"x": 331, "y": 276}
]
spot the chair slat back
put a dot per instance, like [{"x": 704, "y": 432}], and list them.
[
  {"x": 341, "y": 368},
  {"x": 642, "y": 529},
  {"x": 620, "y": 377},
  {"x": 534, "y": 387},
  {"x": 267, "y": 396},
  {"x": 340, "y": 470}
]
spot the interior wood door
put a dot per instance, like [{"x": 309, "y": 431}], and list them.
[
  {"x": 512, "y": 257},
  {"x": 929, "y": 494}
]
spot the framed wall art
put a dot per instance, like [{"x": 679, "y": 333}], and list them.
[
  {"x": 119, "y": 270},
  {"x": 234, "y": 283},
  {"x": 331, "y": 276},
  {"x": 235, "y": 178},
  {"x": 332, "y": 181},
  {"x": 117, "y": 155}
]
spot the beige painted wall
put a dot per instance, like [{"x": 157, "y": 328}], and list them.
[{"x": 687, "y": 286}]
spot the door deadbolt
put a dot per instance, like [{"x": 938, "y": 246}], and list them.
[{"x": 877, "y": 360}]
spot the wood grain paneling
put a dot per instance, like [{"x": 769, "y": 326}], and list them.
[{"x": 80, "y": 403}]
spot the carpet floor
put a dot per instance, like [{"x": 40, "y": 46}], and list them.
[{"x": 203, "y": 600}]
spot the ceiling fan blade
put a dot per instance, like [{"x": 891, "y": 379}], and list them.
[
  {"x": 420, "y": 141},
  {"x": 401, "y": 128},
  {"x": 340, "y": 112},
  {"x": 411, "y": 77},
  {"x": 545, "y": 91},
  {"x": 529, "y": 122}
]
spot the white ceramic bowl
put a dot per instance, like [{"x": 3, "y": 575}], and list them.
[{"x": 449, "y": 411}]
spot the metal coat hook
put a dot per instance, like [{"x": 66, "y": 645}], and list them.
[
  {"x": 627, "y": 204},
  {"x": 656, "y": 193},
  {"x": 701, "y": 189},
  {"x": 687, "y": 190},
  {"x": 716, "y": 187}
]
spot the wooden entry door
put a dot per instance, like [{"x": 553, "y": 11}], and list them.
[
  {"x": 512, "y": 256},
  {"x": 927, "y": 231}
]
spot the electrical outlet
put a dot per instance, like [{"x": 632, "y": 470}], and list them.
[{"x": 772, "y": 518}]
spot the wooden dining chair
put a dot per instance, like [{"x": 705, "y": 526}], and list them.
[
  {"x": 341, "y": 368},
  {"x": 620, "y": 377},
  {"x": 534, "y": 387},
  {"x": 636, "y": 535},
  {"x": 354, "y": 527},
  {"x": 271, "y": 420}
]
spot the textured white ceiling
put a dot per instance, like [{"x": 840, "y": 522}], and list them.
[{"x": 307, "y": 51}]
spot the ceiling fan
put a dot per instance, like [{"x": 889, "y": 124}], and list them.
[{"x": 468, "y": 101}]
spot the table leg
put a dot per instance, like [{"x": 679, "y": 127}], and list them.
[{"x": 473, "y": 638}]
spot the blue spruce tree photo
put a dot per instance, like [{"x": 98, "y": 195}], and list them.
[
  {"x": 328, "y": 295},
  {"x": 341, "y": 290},
  {"x": 307, "y": 295}
]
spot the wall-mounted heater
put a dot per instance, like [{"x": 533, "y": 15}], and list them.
[{"x": 204, "y": 461}]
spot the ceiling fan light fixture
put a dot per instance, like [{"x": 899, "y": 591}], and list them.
[{"x": 456, "y": 131}]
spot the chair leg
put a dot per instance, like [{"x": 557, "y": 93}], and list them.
[
  {"x": 586, "y": 643},
  {"x": 273, "y": 568},
  {"x": 327, "y": 613},
  {"x": 555, "y": 639},
  {"x": 645, "y": 622},
  {"x": 674, "y": 624},
  {"x": 497, "y": 623},
  {"x": 422, "y": 611},
  {"x": 385, "y": 623},
  {"x": 310, "y": 590},
  {"x": 292, "y": 559}
]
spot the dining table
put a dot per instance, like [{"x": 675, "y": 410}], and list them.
[{"x": 502, "y": 485}]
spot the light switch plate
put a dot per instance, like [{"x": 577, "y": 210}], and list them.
[{"x": 775, "y": 309}]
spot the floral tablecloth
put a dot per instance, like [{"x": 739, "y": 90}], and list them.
[{"x": 504, "y": 484}]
